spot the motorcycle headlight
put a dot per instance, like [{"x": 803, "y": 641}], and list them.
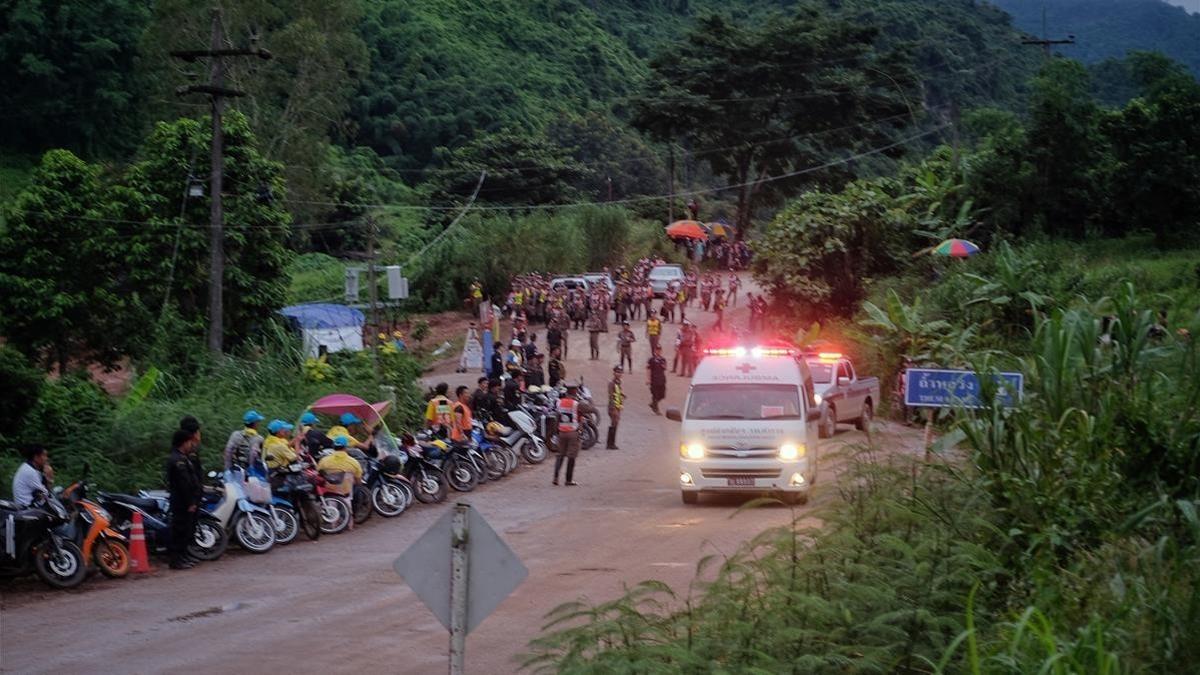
[
  {"x": 789, "y": 452},
  {"x": 691, "y": 451}
]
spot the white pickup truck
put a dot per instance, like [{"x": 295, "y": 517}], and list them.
[{"x": 842, "y": 396}]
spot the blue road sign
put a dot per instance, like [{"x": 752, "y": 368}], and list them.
[{"x": 932, "y": 388}]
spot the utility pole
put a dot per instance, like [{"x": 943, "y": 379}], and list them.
[
  {"x": 373, "y": 290},
  {"x": 671, "y": 198},
  {"x": 1045, "y": 42},
  {"x": 217, "y": 93}
]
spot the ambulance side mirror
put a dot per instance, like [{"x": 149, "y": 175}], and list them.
[
  {"x": 843, "y": 381},
  {"x": 673, "y": 415}
]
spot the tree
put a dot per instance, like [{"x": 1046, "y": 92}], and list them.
[
  {"x": 168, "y": 256},
  {"x": 819, "y": 252},
  {"x": 69, "y": 78},
  {"x": 63, "y": 290},
  {"x": 1065, "y": 147},
  {"x": 779, "y": 97},
  {"x": 522, "y": 168},
  {"x": 1155, "y": 178}
]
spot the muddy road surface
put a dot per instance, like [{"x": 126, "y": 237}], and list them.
[{"x": 336, "y": 605}]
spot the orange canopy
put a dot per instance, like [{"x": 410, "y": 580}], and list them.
[{"x": 687, "y": 229}]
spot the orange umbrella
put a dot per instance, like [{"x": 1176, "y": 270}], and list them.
[{"x": 687, "y": 229}]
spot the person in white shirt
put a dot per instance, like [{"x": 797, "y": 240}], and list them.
[{"x": 30, "y": 481}]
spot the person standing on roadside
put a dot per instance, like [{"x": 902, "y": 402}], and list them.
[
  {"x": 185, "y": 486},
  {"x": 656, "y": 378},
  {"x": 681, "y": 299},
  {"x": 753, "y": 318},
  {"x": 625, "y": 340},
  {"x": 555, "y": 370},
  {"x": 719, "y": 309},
  {"x": 569, "y": 410},
  {"x": 594, "y": 325},
  {"x": 616, "y": 402},
  {"x": 653, "y": 331},
  {"x": 687, "y": 342},
  {"x": 734, "y": 284},
  {"x": 496, "y": 367}
]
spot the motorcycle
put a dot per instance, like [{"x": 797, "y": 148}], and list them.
[
  {"x": 425, "y": 474},
  {"x": 32, "y": 543},
  {"x": 298, "y": 491},
  {"x": 99, "y": 542},
  {"x": 390, "y": 492},
  {"x": 500, "y": 459},
  {"x": 237, "y": 505},
  {"x": 523, "y": 437},
  {"x": 209, "y": 540}
]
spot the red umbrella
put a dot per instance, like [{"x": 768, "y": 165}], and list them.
[
  {"x": 687, "y": 229},
  {"x": 336, "y": 404}
]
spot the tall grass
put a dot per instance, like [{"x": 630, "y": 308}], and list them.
[{"x": 1062, "y": 537}]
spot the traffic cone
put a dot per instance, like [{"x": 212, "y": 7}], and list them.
[{"x": 139, "y": 558}]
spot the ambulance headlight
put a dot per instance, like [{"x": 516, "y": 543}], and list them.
[
  {"x": 817, "y": 398},
  {"x": 789, "y": 452},
  {"x": 691, "y": 451}
]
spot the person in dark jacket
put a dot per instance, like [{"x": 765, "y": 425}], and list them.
[
  {"x": 186, "y": 488},
  {"x": 496, "y": 367}
]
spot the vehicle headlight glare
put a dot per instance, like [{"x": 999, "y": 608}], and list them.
[
  {"x": 788, "y": 451},
  {"x": 817, "y": 398},
  {"x": 692, "y": 451}
]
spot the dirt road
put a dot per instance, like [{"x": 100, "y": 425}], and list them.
[{"x": 337, "y": 605}]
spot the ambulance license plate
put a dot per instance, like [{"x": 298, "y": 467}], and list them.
[{"x": 741, "y": 482}]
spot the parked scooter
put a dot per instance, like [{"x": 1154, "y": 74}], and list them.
[
  {"x": 100, "y": 543},
  {"x": 209, "y": 540},
  {"x": 31, "y": 544},
  {"x": 245, "y": 520},
  {"x": 523, "y": 437},
  {"x": 390, "y": 492},
  {"x": 425, "y": 473}
]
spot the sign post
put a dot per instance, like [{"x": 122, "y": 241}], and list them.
[
  {"x": 931, "y": 388},
  {"x": 458, "y": 588},
  {"x": 462, "y": 570}
]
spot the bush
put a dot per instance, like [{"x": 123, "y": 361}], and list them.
[{"x": 22, "y": 385}]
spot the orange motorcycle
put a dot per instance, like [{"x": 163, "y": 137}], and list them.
[{"x": 91, "y": 524}]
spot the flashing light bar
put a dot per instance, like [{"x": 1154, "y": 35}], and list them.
[
  {"x": 756, "y": 352},
  {"x": 829, "y": 356}
]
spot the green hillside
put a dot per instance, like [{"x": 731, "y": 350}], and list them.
[{"x": 1111, "y": 28}]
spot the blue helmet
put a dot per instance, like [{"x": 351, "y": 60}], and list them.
[
  {"x": 252, "y": 417},
  {"x": 308, "y": 418},
  {"x": 341, "y": 442},
  {"x": 350, "y": 418},
  {"x": 279, "y": 425}
]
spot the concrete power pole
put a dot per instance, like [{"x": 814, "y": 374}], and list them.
[
  {"x": 217, "y": 93},
  {"x": 1046, "y": 43}
]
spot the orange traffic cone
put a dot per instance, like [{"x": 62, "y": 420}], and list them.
[{"x": 139, "y": 558}]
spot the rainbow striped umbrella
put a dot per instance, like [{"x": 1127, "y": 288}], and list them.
[{"x": 956, "y": 248}]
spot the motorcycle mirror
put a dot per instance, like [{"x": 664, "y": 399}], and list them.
[
  {"x": 58, "y": 490},
  {"x": 212, "y": 474}
]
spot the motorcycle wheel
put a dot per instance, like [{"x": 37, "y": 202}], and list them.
[
  {"x": 310, "y": 519},
  {"x": 533, "y": 449},
  {"x": 287, "y": 525},
  {"x": 480, "y": 470},
  {"x": 112, "y": 558},
  {"x": 430, "y": 487},
  {"x": 389, "y": 500},
  {"x": 63, "y": 568},
  {"x": 496, "y": 466},
  {"x": 512, "y": 458},
  {"x": 335, "y": 515},
  {"x": 254, "y": 532},
  {"x": 209, "y": 541},
  {"x": 588, "y": 436},
  {"x": 460, "y": 475},
  {"x": 362, "y": 505}
]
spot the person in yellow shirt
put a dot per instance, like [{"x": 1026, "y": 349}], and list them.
[
  {"x": 439, "y": 414},
  {"x": 277, "y": 448},
  {"x": 341, "y": 465},
  {"x": 350, "y": 422}
]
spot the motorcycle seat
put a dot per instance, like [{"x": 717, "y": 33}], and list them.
[
  {"x": 143, "y": 503},
  {"x": 6, "y": 505}
]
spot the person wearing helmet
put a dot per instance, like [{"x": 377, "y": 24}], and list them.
[
  {"x": 350, "y": 423},
  {"x": 277, "y": 448},
  {"x": 514, "y": 361},
  {"x": 244, "y": 445},
  {"x": 341, "y": 471}
]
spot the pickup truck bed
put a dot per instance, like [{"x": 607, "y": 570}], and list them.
[{"x": 844, "y": 396}]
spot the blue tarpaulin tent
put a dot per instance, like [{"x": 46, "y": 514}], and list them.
[{"x": 328, "y": 326}]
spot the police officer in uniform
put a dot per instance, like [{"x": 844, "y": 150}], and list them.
[
  {"x": 616, "y": 401},
  {"x": 186, "y": 488}
]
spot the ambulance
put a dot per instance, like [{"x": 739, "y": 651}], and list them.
[{"x": 749, "y": 426}]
